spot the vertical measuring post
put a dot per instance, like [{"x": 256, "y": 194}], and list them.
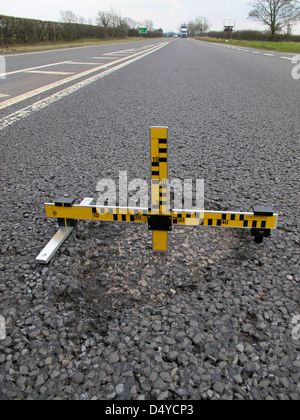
[{"x": 160, "y": 220}]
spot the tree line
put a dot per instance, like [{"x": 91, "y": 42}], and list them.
[
  {"x": 108, "y": 25},
  {"x": 278, "y": 16}
]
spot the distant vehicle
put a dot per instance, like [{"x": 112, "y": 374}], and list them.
[
  {"x": 184, "y": 32},
  {"x": 175, "y": 36}
]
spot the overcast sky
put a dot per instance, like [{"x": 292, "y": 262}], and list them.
[{"x": 165, "y": 14}]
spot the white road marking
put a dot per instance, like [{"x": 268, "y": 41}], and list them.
[
  {"x": 101, "y": 58},
  {"x": 2, "y": 95},
  {"x": 247, "y": 49},
  {"x": 42, "y": 89},
  {"x": 116, "y": 52},
  {"x": 33, "y": 68},
  {"x": 62, "y": 73},
  {"x": 18, "y": 115},
  {"x": 83, "y": 63}
]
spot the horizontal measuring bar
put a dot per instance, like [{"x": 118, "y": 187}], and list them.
[
  {"x": 92, "y": 212},
  {"x": 179, "y": 217},
  {"x": 224, "y": 219}
]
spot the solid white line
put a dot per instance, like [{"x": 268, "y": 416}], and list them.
[
  {"x": 33, "y": 68},
  {"x": 42, "y": 89},
  {"x": 49, "y": 72},
  {"x": 18, "y": 115}
]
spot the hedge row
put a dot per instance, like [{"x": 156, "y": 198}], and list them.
[
  {"x": 22, "y": 31},
  {"x": 250, "y": 35}
]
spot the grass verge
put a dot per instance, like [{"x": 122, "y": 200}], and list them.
[
  {"x": 289, "y": 47},
  {"x": 46, "y": 46}
]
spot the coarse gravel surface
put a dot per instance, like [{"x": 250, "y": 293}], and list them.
[{"x": 109, "y": 319}]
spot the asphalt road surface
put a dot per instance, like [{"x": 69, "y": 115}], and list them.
[{"x": 217, "y": 317}]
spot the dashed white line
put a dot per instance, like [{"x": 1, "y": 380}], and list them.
[
  {"x": 3, "y": 95},
  {"x": 249, "y": 50}
]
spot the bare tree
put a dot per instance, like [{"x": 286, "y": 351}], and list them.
[
  {"x": 82, "y": 20},
  {"x": 131, "y": 23},
  {"x": 148, "y": 24},
  {"x": 67, "y": 16},
  {"x": 276, "y": 14},
  {"x": 111, "y": 19},
  {"x": 103, "y": 19},
  {"x": 200, "y": 24}
]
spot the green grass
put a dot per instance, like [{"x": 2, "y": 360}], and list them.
[
  {"x": 45, "y": 46},
  {"x": 290, "y": 47}
]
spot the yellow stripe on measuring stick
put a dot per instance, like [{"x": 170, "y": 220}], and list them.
[
  {"x": 105, "y": 214},
  {"x": 159, "y": 177},
  {"x": 224, "y": 219}
]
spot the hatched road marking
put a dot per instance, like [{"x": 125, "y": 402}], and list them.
[
  {"x": 45, "y": 88},
  {"x": 33, "y": 68},
  {"x": 18, "y": 115},
  {"x": 49, "y": 72}
]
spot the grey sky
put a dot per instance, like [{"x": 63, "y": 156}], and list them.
[{"x": 165, "y": 14}]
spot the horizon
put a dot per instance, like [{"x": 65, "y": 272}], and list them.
[{"x": 167, "y": 15}]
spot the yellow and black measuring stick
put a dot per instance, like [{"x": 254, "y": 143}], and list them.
[{"x": 159, "y": 217}]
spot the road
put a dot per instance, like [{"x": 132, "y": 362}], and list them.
[
  {"x": 29, "y": 75},
  {"x": 107, "y": 318}
]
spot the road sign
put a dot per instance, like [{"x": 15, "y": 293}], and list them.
[{"x": 143, "y": 31}]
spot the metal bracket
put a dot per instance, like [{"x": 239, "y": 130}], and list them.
[
  {"x": 261, "y": 233},
  {"x": 66, "y": 227},
  {"x": 158, "y": 222},
  {"x": 50, "y": 249}
]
